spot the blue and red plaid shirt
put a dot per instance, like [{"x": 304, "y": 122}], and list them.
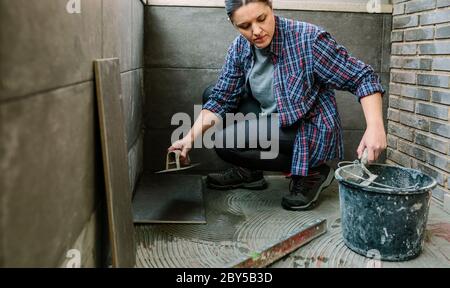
[{"x": 308, "y": 66}]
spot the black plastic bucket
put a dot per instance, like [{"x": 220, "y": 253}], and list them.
[{"x": 389, "y": 221}]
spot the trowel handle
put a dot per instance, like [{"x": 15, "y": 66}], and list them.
[
  {"x": 365, "y": 157},
  {"x": 173, "y": 160}
]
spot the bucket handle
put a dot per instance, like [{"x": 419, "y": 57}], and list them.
[{"x": 345, "y": 163}]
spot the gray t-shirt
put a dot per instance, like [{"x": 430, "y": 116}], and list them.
[{"x": 260, "y": 80}]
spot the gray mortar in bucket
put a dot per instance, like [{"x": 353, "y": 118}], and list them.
[{"x": 386, "y": 216}]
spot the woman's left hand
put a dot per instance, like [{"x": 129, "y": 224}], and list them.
[{"x": 374, "y": 140}]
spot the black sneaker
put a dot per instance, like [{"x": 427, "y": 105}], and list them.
[
  {"x": 237, "y": 177},
  {"x": 305, "y": 190}
]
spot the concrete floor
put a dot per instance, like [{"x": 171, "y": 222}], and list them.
[
  {"x": 203, "y": 246},
  {"x": 244, "y": 228}
]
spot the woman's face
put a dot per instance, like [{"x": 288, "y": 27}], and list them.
[{"x": 256, "y": 22}]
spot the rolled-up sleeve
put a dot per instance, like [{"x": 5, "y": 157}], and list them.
[
  {"x": 334, "y": 66},
  {"x": 230, "y": 84}
]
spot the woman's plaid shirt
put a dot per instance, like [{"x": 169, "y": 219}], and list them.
[{"x": 308, "y": 66}]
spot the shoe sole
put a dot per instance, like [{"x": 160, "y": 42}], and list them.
[
  {"x": 313, "y": 203},
  {"x": 257, "y": 185}
]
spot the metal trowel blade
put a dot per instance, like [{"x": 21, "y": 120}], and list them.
[
  {"x": 369, "y": 181},
  {"x": 178, "y": 169},
  {"x": 372, "y": 176}
]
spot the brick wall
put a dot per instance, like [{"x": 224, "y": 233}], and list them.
[{"x": 418, "y": 114}]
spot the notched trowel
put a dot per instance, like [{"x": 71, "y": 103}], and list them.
[
  {"x": 173, "y": 163},
  {"x": 358, "y": 172}
]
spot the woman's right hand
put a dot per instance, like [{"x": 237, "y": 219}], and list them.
[{"x": 184, "y": 145}]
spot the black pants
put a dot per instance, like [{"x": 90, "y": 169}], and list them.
[{"x": 251, "y": 157}]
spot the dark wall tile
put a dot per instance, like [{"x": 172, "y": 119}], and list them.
[{"x": 51, "y": 172}]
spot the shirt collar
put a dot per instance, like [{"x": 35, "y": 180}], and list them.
[{"x": 277, "y": 40}]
